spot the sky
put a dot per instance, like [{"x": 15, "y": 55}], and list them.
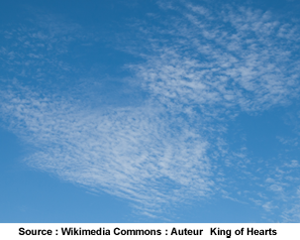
[{"x": 150, "y": 111}]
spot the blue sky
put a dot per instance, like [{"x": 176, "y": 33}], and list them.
[{"x": 149, "y": 111}]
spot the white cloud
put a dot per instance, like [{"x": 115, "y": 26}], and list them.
[
  {"x": 200, "y": 71},
  {"x": 293, "y": 164},
  {"x": 232, "y": 60},
  {"x": 131, "y": 153},
  {"x": 268, "y": 206}
]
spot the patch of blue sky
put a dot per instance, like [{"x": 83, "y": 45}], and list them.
[{"x": 161, "y": 107}]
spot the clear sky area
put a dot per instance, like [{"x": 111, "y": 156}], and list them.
[{"x": 150, "y": 111}]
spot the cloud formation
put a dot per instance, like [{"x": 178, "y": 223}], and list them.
[
  {"x": 131, "y": 153},
  {"x": 200, "y": 69}
]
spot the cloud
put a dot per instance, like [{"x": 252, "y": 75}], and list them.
[
  {"x": 268, "y": 206},
  {"x": 201, "y": 68},
  {"x": 232, "y": 59},
  {"x": 131, "y": 153},
  {"x": 293, "y": 164},
  {"x": 214, "y": 65}
]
